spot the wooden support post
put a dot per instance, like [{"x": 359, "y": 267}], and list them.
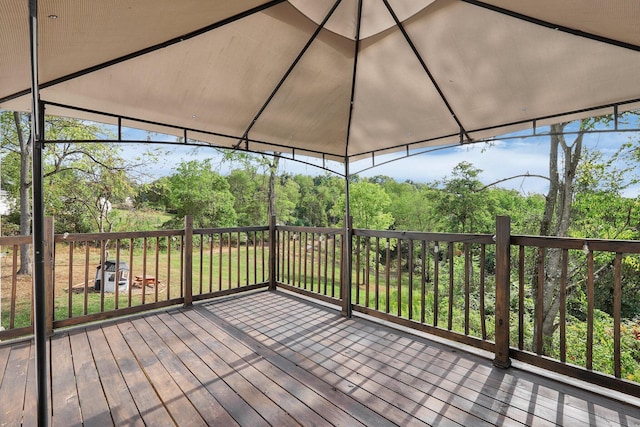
[
  {"x": 346, "y": 265},
  {"x": 188, "y": 260},
  {"x": 49, "y": 274},
  {"x": 272, "y": 253},
  {"x": 503, "y": 282}
]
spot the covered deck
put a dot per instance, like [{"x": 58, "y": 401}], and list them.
[{"x": 272, "y": 358}]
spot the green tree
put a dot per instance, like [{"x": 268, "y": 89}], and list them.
[
  {"x": 464, "y": 208},
  {"x": 317, "y": 198},
  {"x": 412, "y": 205},
  {"x": 154, "y": 195},
  {"x": 369, "y": 206},
  {"x": 195, "y": 189},
  {"x": 250, "y": 191}
]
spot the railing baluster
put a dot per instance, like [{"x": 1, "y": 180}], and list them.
[
  {"x": 423, "y": 279},
  {"x": 168, "y": 268},
  {"x": 306, "y": 251},
  {"x": 539, "y": 301},
  {"x": 367, "y": 283},
  {"x": 521, "y": 297},
  {"x": 210, "y": 262},
  {"x": 319, "y": 263},
  {"x": 297, "y": 239},
  {"x": 563, "y": 305},
  {"x": 70, "y": 282},
  {"x": 483, "y": 315},
  {"x": 220, "y": 262},
  {"x": 377, "y": 280},
  {"x": 182, "y": 241},
  {"x": 617, "y": 303},
  {"x": 130, "y": 290},
  {"x": 326, "y": 263},
  {"x": 156, "y": 269},
  {"x": 312, "y": 248},
  {"x": 436, "y": 281},
  {"x": 116, "y": 290},
  {"x": 357, "y": 249},
  {"x": 410, "y": 284},
  {"x": 229, "y": 262},
  {"x": 238, "y": 262},
  {"x": 14, "y": 287},
  {"x": 246, "y": 259},
  {"x": 387, "y": 277},
  {"x": 467, "y": 285},
  {"x": 102, "y": 274},
  {"x": 590, "y": 309},
  {"x": 262, "y": 256},
  {"x": 255, "y": 257},
  {"x": 144, "y": 271},
  {"x": 399, "y": 277},
  {"x": 333, "y": 268},
  {"x": 451, "y": 284}
]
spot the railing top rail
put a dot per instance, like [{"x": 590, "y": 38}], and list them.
[
  {"x": 619, "y": 246},
  {"x": 83, "y": 237},
  {"x": 15, "y": 240},
  {"x": 216, "y": 230},
  {"x": 317, "y": 230},
  {"x": 433, "y": 237}
]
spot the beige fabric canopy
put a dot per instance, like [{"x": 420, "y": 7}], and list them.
[{"x": 326, "y": 78}]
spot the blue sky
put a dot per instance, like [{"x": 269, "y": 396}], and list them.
[{"x": 499, "y": 160}]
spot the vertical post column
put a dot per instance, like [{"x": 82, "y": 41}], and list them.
[
  {"x": 503, "y": 274},
  {"x": 49, "y": 273},
  {"x": 346, "y": 266},
  {"x": 272, "y": 253},
  {"x": 188, "y": 261}
]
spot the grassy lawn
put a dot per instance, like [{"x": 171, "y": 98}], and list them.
[{"x": 214, "y": 269}]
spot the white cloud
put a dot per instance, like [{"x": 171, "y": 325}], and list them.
[{"x": 499, "y": 160}]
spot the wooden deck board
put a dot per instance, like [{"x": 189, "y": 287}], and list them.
[
  {"x": 119, "y": 400},
  {"x": 14, "y": 385},
  {"x": 93, "y": 402},
  {"x": 185, "y": 346},
  {"x": 269, "y": 358},
  {"x": 200, "y": 399},
  {"x": 64, "y": 394},
  {"x": 313, "y": 393},
  {"x": 269, "y": 386},
  {"x": 30, "y": 417}
]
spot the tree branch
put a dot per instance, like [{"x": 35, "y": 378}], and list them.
[{"x": 525, "y": 175}]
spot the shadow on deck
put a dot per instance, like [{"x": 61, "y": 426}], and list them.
[{"x": 269, "y": 358}]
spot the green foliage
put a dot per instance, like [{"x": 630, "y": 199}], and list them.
[
  {"x": 250, "y": 192},
  {"x": 195, "y": 189},
  {"x": 369, "y": 204},
  {"x": 464, "y": 207}
]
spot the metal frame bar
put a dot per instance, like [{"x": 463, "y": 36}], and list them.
[
  {"x": 39, "y": 291},
  {"x": 286, "y": 75},
  {"x": 553, "y": 26},
  {"x": 149, "y": 49},
  {"x": 413, "y": 47}
]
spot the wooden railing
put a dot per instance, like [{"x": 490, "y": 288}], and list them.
[
  {"x": 151, "y": 269},
  {"x": 309, "y": 261},
  {"x": 430, "y": 281},
  {"x": 586, "y": 344},
  {"x": 485, "y": 291},
  {"x": 476, "y": 289}
]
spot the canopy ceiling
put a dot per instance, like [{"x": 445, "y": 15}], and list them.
[{"x": 326, "y": 78}]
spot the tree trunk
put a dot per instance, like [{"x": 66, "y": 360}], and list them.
[
  {"x": 273, "y": 172},
  {"x": 556, "y": 222},
  {"x": 25, "y": 200}
]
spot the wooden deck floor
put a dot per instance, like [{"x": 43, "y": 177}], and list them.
[{"x": 268, "y": 358}]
